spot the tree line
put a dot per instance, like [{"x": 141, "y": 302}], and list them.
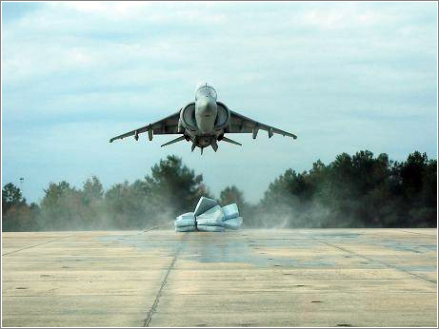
[{"x": 352, "y": 191}]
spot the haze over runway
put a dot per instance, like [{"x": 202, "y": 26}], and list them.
[{"x": 344, "y": 76}]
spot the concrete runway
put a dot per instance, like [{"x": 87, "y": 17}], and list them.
[{"x": 320, "y": 277}]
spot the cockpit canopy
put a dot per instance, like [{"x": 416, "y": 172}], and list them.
[{"x": 205, "y": 89}]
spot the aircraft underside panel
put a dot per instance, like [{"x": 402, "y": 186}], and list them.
[
  {"x": 168, "y": 125},
  {"x": 242, "y": 124}
]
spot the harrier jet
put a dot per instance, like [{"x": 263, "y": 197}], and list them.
[{"x": 204, "y": 123}]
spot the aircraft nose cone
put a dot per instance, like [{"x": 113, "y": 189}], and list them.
[{"x": 207, "y": 106}]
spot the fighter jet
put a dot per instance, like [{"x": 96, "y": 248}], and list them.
[{"x": 204, "y": 122}]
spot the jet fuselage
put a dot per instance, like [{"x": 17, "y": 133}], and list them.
[
  {"x": 207, "y": 131},
  {"x": 204, "y": 122}
]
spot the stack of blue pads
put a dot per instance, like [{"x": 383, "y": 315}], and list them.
[{"x": 209, "y": 216}]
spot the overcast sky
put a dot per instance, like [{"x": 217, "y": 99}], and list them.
[{"x": 342, "y": 76}]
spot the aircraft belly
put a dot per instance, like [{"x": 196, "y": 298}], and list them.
[{"x": 205, "y": 124}]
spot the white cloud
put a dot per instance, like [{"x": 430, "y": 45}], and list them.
[
  {"x": 341, "y": 75},
  {"x": 143, "y": 11}
]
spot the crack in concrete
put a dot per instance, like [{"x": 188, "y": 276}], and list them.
[
  {"x": 153, "y": 308},
  {"x": 417, "y": 233},
  {"x": 36, "y": 245},
  {"x": 377, "y": 261}
]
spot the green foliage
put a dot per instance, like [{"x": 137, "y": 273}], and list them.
[
  {"x": 16, "y": 214},
  {"x": 60, "y": 207},
  {"x": 352, "y": 191},
  {"x": 231, "y": 194},
  {"x": 11, "y": 195},
  {"x": 172, "y": 183},
  {"x": 170, "y": 190},
  {"x": 356, "y": 191},
  {"x": 126, "y": 206}
]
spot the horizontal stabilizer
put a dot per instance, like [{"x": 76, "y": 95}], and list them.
[
  {"x": 179, "y": 139},
  {"x": 228, "y": 140}
]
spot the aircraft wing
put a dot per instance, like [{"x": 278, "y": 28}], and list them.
[
  {"x": 168, "y": 125},
  {"x": 242, "y": 124}
]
